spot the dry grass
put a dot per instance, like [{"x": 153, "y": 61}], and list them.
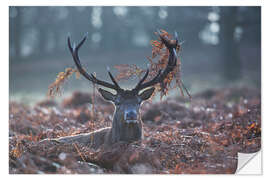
[{"x": 201, "y": 136}]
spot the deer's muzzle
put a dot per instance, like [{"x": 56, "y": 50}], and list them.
[{"x": 130, "y": 116}]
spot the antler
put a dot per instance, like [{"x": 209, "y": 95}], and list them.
[
  {"x": 170, "y": 66},
  {"x": 74, "y": 52}
]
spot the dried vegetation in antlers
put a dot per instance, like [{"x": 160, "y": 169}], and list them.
[
  {"x": 55, "y": 88},
  {"x": 161, "y": 53},
  {"x": 126, "y": 71}
]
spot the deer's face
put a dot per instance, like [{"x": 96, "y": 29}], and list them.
[{"x": 127, "y": 103}]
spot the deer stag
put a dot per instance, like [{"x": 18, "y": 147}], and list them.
[{"x": 126, "y": 125}]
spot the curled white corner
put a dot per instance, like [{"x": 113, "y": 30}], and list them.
[{"x": 249, "y": 163}]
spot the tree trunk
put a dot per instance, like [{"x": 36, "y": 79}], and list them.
[
  {"x": 15, "y": 34},
  {"x": 228, "y": 45}
]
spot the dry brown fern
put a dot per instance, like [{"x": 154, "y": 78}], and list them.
[
  {"x": 55, "y": 88},
  {"x": 160, "y": 53}
]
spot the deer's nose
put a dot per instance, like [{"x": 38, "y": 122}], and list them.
[{"x": 131, "y": 115}]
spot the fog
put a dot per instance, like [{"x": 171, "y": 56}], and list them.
[{"x": 221, "y": 45}]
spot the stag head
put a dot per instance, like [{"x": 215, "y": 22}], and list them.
[{"x": 127, "y": 102}]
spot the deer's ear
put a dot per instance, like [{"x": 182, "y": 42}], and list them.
[
  {"x": 147, "y": 94},
  {"x": 106, "y": 95}
]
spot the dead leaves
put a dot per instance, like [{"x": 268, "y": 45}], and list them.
[
  {"x": 55, "y": 88},
  {"x": 127, "y": 71},
  {"x": 173, "y": 143},
  {"x": 160, "y": 53},
  {"x": 17, "y": 151}
]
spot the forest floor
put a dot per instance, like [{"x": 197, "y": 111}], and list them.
[{"x": 203, "y": 135}]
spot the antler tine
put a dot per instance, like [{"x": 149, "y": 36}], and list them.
[
  {"x": 172, "y": 61},
  {"x": 113, "y": 80},
  {"x": 74, "y": 52},
  {"x": 142, "y": 80},
  {"x": 152, "y": 82}
]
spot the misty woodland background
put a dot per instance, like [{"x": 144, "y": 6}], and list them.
[{"x": 221, "y": 45}]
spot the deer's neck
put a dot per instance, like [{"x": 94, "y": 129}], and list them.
[{"x": 122, "y": 131}]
